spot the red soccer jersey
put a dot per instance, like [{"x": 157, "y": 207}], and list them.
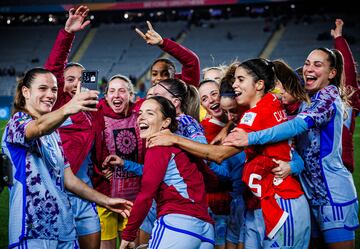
[
  {"x": 212, "y": 127},
  {"x": 257, "y": 171}
]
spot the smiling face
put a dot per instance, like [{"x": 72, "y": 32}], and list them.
[
  {"x": 317, "y": 71},
  {"x": 72, "y": 76},
  {"x": 118, "y": 95},
  {"x": 210, "y": 99},
  {"x": 151, "y": 119},
  {"x": 246, "y": 89},
  {"x": 161, "y": 71},
  {"x": 42, "y": 94},
  {"x": 232, "y": 110}
]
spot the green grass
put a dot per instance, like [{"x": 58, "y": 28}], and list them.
[
  {"x": 4, "y": 206},
  {"x": 356, "y": 174},
  {"x": 4, "y": 196}
]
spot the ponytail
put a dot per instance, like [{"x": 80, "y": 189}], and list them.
[
  {"x": 188, "y": 95},
  {"x": 191, "y": 103}
]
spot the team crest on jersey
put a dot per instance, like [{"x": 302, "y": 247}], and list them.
[{"x": 248, "y": 118}]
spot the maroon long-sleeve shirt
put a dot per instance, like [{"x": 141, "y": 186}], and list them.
[
  {"x": 190, "y": 72},
  {"x": 174, "y": 180}
]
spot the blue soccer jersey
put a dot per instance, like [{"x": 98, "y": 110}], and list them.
[
  {"x": 325, "y": 178},
  {"x": 39, "y": 206}
]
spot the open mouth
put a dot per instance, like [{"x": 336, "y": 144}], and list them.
[
  {"x": 215, "y": 107},
  {"x": 117, "y": 103},
  {"x": 143, "y": 127},
  {"x": 310, "y": 79},
  {"x": 237, "y": 94}
]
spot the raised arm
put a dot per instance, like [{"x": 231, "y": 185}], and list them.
[
  {"x": 349, "y": 63},
  {"x": 47, "y": 123},
  {"x": 59, "y": 53},
  {"x": 190, "y": 71},
  {"x": 190, "y": 62}
]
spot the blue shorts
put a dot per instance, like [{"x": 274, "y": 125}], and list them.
[
  {"x": 150, "y": 218},
  {"x": 50, "y": 244},
  {"x": 335, "y": 223},
  {"x": 221, "y": 223},
  {"x": 236, "y": 220},
  {"x": 86, "y": 216},
  {"x": 295, "y": 233},
  {"x": 338, "y": 235},
  {"x": 179, "y": 231}
]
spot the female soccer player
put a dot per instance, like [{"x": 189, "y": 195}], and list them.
[
  {"x": 253, "y": 80},
  {"x": 173, "y": 178},
  {"x": 40, "y": 211},
  {"x": 327, "y": 183}
]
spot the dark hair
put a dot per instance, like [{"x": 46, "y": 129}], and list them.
[
  {"x": 74, "y": 64},
  {"x": 290, "y": 81},
  {"x": 261, "y": 69},
  {"x": 168, "y": 110},
  {"x": 226, "y": 89},
  {"x": 27, "y": 80},
  {"x": 336, "y": 61},
  {"x": 169, "y": 63},
  {"x": 130, "y": 86},
  {"x": 188, "y": 95}
]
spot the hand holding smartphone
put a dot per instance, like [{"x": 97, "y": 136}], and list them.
[{"x": 89, "y": 82}]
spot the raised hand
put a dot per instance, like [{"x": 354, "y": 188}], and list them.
[
  {"x": 75, "y": 21},
  {"x": 338, "y": 28},
  {"x": 81, "y": 101},
  {"x": 151, "y": 36}
]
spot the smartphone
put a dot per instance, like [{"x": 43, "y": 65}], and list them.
[{"x": 89, "y": 80}]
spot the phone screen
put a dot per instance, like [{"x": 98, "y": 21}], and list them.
[{"x": 89, "y": 80}]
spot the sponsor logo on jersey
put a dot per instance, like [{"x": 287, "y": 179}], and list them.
[{"x": 248, "y": 118}]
